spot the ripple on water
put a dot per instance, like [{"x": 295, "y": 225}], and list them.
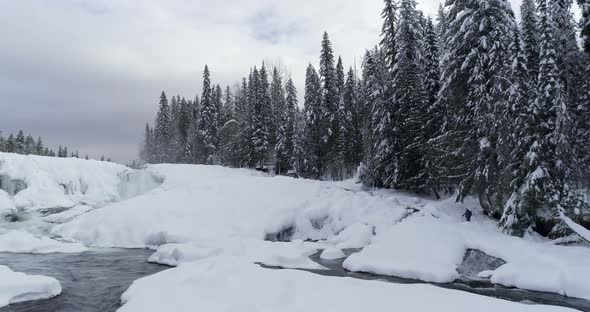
[{"x": 91, "y": 281}]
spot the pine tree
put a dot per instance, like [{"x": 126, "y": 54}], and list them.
[
  {"x": 541, "y": 181},
  {"x": 473, "y": 90},
  {"x": 315, "y": 129},
  {"x": 388, "y": 31},
  {"x": 161, "y": 140},
  {"x": 379, "y": 171},
  {"x": 20, "y": 142},
  {"x": 185, "y": 122},
  {"x": 330, "y": 104},
  {"x": 39, "y": 148},
  {"x": 29, "y": 146},
  {"x": 10, "y": 144},
  {"x": 342, "y": 120},
  {"x": 2, "y": 143},
  {"x": 279, "y": 123},
  {"x": 409, "y": 102},
  {"x": 291, "y": 122},
  {"x": 530, "y": 31},
  {"x": 354, "y": 150},
  {"x": 208, "y": 122},
  {"x": 261, "y": 117},
  {"x": 174, "y": 147}
]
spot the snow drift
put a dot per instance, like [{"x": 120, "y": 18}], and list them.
[{"x": 18, "y": 287}]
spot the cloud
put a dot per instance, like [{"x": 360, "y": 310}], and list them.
[{"x": 88, "y": 73}]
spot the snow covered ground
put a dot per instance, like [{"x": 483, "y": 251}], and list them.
[
  {"x": 24, "y": 242},
  {"x": 234, "y": 284},
  {"x": 17, "y": 287},
  {"x": 194, "y": 214}
]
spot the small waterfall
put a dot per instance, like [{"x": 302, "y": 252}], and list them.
[
  {"x": 11, "y": 186},
  {"x": 137, "y": 182}
]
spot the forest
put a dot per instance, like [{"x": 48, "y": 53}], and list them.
[{"x": 472, "y": 103}]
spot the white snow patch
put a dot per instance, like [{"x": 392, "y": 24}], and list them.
[
  {"x": 24, "y": 242},
  {"x": 332, "y": 253},
  {"x": 235, "y": 284},
  {"x": 18, "y": 287}
]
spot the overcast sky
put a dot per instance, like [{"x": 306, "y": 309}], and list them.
[{"x": 88, "y": 73}]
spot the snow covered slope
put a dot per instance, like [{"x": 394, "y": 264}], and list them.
[{"x": 192, "y": 212}]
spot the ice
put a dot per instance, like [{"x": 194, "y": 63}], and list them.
[
  {"x": 332, "y": 253},
  {"x": 291, "y": 255},
  {"x": 18, "y": 287},
  {"x": 68, "y": 214},
  {"x": 24, "y": 242},
  {"x": 235, "y": 284}
]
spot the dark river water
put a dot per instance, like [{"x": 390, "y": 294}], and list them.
[
  {"x": 94, "y": 280},
  {"x": 91, "y": 281}
]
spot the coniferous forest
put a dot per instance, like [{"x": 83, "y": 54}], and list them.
[{"x": 473, "y": 103}]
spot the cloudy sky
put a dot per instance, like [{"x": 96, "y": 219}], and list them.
[{"x": 88, "y": 73}]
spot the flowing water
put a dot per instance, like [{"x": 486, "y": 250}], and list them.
[
  {"x": 91, "y": 281},
  {"x": 94, "y": 280}
]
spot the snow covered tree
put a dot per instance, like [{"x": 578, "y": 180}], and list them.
[
  {"x": 291, "y": 121},
  {"x": 541, "y": 183},
  {"x": 161, "y": 141},
  {"x": 146, "y": 151},
  {"x": 330, "y": 104},
  {"x": 207, "y": 127},
  {"x": 29, "y": 148},
  {"x": 261, "y": 117},
  {"x": 409, "y": 103},
  {"x": 354, "y": 135},
  {"x": 184, "y": 122},
  {"x": 39, "y": 148},
  {"x": 473, "y": 90},
  {"x": 20, "y": 142},
  {"x": 279, "y": 123},
  {"x": 379, "y": 170},
  {"x": 315, "y": 126},
  {"x": 529, "y": 25}
]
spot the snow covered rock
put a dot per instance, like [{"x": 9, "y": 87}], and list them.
[
  {"x": 332, "y": 253},
  {"x": 24, "y": 242},
  {"x": 416, "y": 249},
  {"x": 18, "y": 287},
  {"x": 234, "y": 284}
]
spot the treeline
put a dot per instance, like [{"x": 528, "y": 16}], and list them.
[
  {"x": 475, "y": 104},
  {"x": 27, "y": 145}
]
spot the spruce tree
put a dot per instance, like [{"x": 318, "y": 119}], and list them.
[
  {"x": 291, "y": 122},
  {"x": 261, "y": 117},
  {"x": 330, "y": 106},
  {"x": 208, "y": 122},
  {"x": 161, "y": 143},
  {"x": 585, "y": 24},
  {"x": 354, "y": 141},
  {"x": 529, "y": 25},
  {"x": 39, "y": 148},
  {"x": 315, "y": 126},
  {"x": 279, "y": 123},
  {"x": 541, "y": 183},
  {"x": 20, "y": 142}
]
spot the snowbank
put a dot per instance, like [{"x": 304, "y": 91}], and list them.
[
  {"x": 196, "y": 202},
  {"x": 291, "y": 255},
  {"x": 61, "y": 182},
  {"x": 18, "y": 287},
  {"x": 23, "y": 242},
  {"x": 332, "y": 253},
  {"x": 234, "y": 284},
  {"x": 417, "y": 248},
  {"x": 430, "y": 249}
]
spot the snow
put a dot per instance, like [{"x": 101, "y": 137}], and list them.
[
  {"x": 332, "y": 253},
  {"x": 193, "y": 213},
  {"x": 24, "y": 242},
  {"x": 196, "y": 202},
  {"x": 580, "y": 230},
  {"x": 235, "y": 284},
  {"x": 291, "y": 255},
  {"x": 18, "y": 287},
  {"x": 61, "y": 182},
  {"x": 68, "y": 214},
  {"x": 431, "y": 254}
]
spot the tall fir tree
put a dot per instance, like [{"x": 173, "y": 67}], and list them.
[
  {"x": 162, "y": 134},
  {"x": 207, "y": 127},
  {"x": 315, "y": 129},
  {"x": 529, "y": 25}
]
